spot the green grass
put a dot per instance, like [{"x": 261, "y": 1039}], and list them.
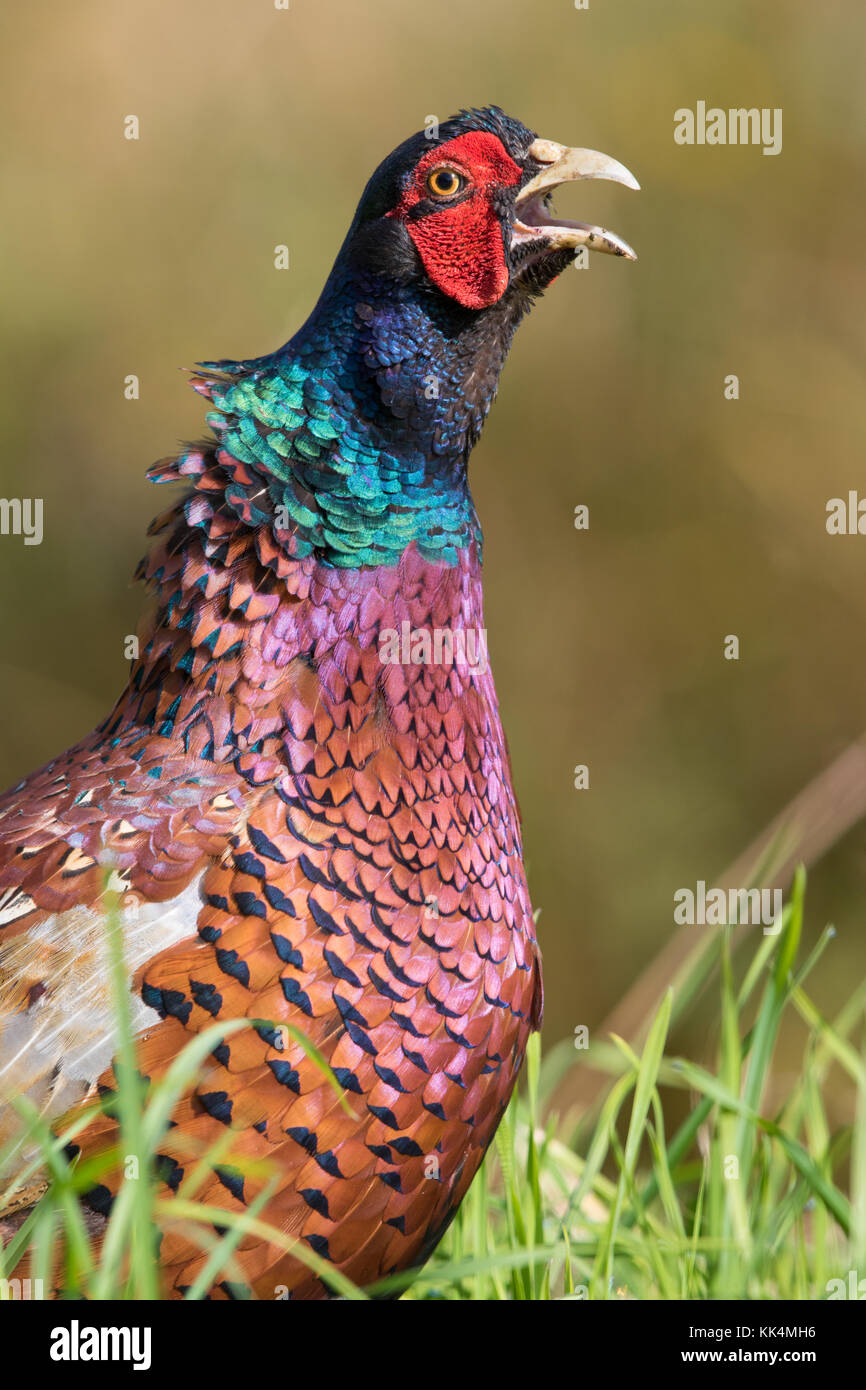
[{"x": 755, "y": 1194}]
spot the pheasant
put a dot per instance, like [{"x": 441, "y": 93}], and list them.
[{"x": 303, "y": 796}]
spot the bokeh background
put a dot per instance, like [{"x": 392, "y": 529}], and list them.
[{"x": 260, "y": 127}]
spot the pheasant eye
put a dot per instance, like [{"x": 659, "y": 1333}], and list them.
[{"x": 444, "y": 183}]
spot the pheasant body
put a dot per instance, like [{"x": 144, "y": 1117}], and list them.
[{"x": 301, "y": 829}]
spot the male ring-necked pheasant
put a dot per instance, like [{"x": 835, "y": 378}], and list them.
[{"x": 303, "y": 794}]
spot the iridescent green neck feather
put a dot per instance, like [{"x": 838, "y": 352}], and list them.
[{"x": 353, "y": 439}]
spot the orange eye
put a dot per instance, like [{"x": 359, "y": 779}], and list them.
[{"x": 444, "y": 183}]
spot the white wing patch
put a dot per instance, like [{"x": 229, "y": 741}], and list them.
[{"x": 56, "y": 1047}]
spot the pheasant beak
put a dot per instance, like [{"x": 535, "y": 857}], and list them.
[{"x": 534, "y": 222}]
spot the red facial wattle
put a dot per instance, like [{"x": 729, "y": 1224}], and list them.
[{"x": 461, "y": 245}]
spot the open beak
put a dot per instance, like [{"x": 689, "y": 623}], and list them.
[{"x": 534, "y": 222}]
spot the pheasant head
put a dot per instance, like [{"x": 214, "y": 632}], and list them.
[{"x": 359, "y": 428}]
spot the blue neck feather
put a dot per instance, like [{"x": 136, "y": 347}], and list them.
[{"x": 357, "y": 432}]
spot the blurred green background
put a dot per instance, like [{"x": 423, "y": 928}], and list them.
[{"x": 261, "y": 127}]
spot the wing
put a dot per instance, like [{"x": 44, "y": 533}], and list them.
[{"x": 97, "y": 813}]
